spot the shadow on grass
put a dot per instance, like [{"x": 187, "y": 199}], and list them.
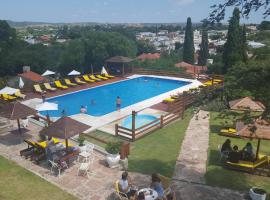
[{"x": 215, "y": 128}]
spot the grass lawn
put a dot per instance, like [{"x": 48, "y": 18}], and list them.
[
  {"x": 158, "y": 151},
  {"x": 18, "y": 183},
  {"x": 218, "y": 176}
]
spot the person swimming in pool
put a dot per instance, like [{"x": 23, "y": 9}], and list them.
[{"x": 118, "y": 103}]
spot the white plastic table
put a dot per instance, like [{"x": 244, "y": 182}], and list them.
[
  {"x": 84, "y": 155},
  {"x": 149, "y": 193}
]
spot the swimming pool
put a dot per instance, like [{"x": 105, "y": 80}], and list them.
[
  {"x": 101, "y": 100},
  {"x": 140, "y": 120}
]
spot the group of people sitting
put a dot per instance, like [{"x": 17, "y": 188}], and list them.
[
  {"x": 125, "y": 187},
  {"x": 234, "y": 155}
]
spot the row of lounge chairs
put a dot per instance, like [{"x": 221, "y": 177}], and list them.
[
  {"x": 16, "y": 95},
  {"x": 68, "y": 83}
]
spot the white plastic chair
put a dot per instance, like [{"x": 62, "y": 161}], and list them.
[
  {"x": 86, "y": 153},
  {"x": 57, "y": 166},
  {"x": 85, "y": 168}
]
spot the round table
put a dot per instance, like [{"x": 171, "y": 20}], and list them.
[{"x": 149, "y": 193}]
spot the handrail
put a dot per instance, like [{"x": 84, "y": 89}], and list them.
[{"x": 124, "y": 128}]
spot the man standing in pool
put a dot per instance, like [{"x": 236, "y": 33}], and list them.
[{"x": 118, "y": 103}]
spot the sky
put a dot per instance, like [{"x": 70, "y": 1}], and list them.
[{"x": 111, "y": 11}]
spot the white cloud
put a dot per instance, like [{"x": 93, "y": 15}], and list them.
[{"x": 184, "y": 1}]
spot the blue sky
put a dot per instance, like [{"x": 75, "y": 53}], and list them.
[{"x": 132, "y": 11}]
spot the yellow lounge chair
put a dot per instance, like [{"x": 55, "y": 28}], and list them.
[
  {"x": 79, "y": 81},
  {"x": 94, "y": 78},
  {"x": 69, "y": 83},
  {"x": 43, "y": 144},
  {"x": 102, "y": 77},
  {"x": 248, "y": 166},
  {"x": 19, "y": 94},
  {"x": 108, "y": 76},
  {"x": 8, "y": 97},
  {"x": 87, "y": 79},
  {"x": 59, "y": 85},
  {"x": 38, "y": 89},
  {"x": 49, "y": 87},
  {"x": 168, "y": 100},
  {"x": 218, "y": 80}
]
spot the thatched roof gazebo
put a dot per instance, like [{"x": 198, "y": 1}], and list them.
[
  {"x": 119, "y": 60},
  {"x": 246, "y": 103}
]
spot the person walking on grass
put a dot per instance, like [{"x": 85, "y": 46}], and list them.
[{"x": 118, "y": 103}]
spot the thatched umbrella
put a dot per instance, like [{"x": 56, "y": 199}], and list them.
[
  {"x": 64, "y": 128},
  {"x": 15, "y": 111},
  {"x": 259, "y": 130},
  {"x": 246, "y": 103}
]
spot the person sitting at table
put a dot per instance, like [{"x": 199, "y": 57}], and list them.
[
  {"x": 125, "y": 184},
  {"x": 141, "y": 196},
  {"x": 248, "y": 152},
  {"x": 226, "y": 147},
  {"x": 157, "y": 186},
  {"x": 235, "y": 155}
]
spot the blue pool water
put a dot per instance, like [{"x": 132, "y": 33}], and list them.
[
  {"x": 140, "y": 120},
  {"x": 102, "y": 100}
]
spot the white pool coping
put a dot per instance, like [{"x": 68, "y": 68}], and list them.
[{"x": 97, "y": 122}]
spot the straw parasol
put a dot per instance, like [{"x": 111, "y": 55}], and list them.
[
  {"x": 246, "y": 103},
  {"x": 259, "y": 130},
  {"x": 16, "y": 110},
  {"x": 64, "y": 128}
]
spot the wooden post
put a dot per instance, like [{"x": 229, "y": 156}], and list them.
[
  {"x": 123, "y": 69},
  {"x": 116, "y": 129},
  {"x": 161, "y": 121},
  {"x": 48, "y": 119},
  {"x": 66, "y": 144},
  {"x": 19, "y": 126},
  {"x": 258, "y": 148},
  {"x": 133, "y": 124}
]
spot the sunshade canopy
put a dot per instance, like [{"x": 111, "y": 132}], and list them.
[
  {"x": 47, "y": 106},
  {"x": 8, "y": 90},
  {"x": 119, "y": 59},
  {"x": 47, "y": 73},
  {"x": 246, "y": 104},
  {"x": 103, "y": 70},
  {"x": 16, "y": 110},
  {"x": 74, "y": 72},
  {"x": 64, "y": 128}
]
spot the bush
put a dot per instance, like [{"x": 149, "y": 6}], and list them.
[
  {"x": 81, "y": 140},
  {"x": 214, "y": 106},
  {"x": 113, "y": 147}
]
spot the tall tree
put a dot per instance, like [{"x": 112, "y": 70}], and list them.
[
  {"x": 188, "y": 53},
  {"x": 232, "y": 49},
  {"x": 244, "y": 44},
  {"x": 204, "y": 51}
]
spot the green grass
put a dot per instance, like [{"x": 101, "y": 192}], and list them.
[
  {"x": 218, "y": 176},
  {"x": 158, "y": 151},
  {"x": 18, "y": 183}
]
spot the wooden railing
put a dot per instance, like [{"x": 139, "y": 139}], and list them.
[{"x": 160, "y": 73}]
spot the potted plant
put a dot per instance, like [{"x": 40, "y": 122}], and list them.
[
  {"x": 81, "y": 140},
  {"x": 113, "y": 156},
  {"x": 257, "y": 193}
]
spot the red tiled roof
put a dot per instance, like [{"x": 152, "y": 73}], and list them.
[
  {"x": 191, "y": 68},
  {"x": 150, "y": 56},
  {"x": 32, "y": 76}
]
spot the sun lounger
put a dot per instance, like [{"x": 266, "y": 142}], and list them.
[
  {"x": 19, "y": 94},
  {"x": 95, "y": 78},
  {"x": 87, "y": 79},
  {"x": 102, "y": 77},
  {"x": 38, "y": 89},
  {"x": 69, "y": 83},
  {"x": 168, "y": 100},
  {"x": 248, "y": 166},
  {"x": 108, "y": 76},
  {"x": 59, "y": 85},
  {"x": 231, "y": 132},
  {"x": 79, "y": 81},
  {"x": 49, "y": 87},
  {"x": 8, "y": 97},
  {"x": 43, "y": 144}
]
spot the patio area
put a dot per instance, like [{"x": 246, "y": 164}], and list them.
[{"x": 99, "y": 185}]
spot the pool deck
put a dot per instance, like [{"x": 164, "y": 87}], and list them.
[{"x": 98, "y": 122}]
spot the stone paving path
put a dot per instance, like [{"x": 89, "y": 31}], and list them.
[{"x": 188, "y": 179}]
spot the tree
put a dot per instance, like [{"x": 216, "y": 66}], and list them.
[
  {"x": 232, "y": 49},
  {"x": 265, "y": 25},
  {"x": 244, "y": 44},
  {"x": 246, "y": 7},
  {"x": 204, "y": 51},
  {"x": 188, "y": 53}
]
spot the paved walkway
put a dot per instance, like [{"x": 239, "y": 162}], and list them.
[{"x": 188, "y": 179}]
